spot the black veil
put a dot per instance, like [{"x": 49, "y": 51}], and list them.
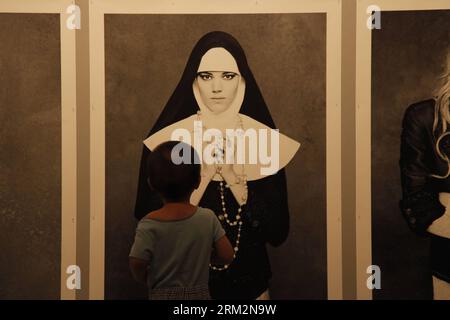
[{"x": 182, "y": 103}]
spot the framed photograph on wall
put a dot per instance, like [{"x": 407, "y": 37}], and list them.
[
  {"x": 401, "y": 70},
  {"x": 38, "y": 143},
  {"x": 140, "y": 51}
]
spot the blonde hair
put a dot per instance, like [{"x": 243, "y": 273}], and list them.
[{"x": 442, "y": 114}]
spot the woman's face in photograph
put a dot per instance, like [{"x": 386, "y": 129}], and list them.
[{"x": 217, "y": 89}]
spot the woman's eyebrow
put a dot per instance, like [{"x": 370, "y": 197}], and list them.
[{"x": 205, "y": 72}]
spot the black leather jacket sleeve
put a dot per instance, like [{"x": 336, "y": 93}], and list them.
[{"x": 420, "y": 204}]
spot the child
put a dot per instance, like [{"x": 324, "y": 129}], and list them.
[{"x": 173, "y": 245}]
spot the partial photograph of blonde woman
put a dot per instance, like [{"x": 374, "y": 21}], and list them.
[
  {"x": 409, "y": 154},
  {"x": 425, "y": 173}
]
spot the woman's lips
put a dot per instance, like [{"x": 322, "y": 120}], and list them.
[{"x": 218, "y": 98}]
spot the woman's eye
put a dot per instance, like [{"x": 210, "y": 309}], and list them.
[
  {"x": 205, "y": 76},
  {"x": 229, "y": 76}
]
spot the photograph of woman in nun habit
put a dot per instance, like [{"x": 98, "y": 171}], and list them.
[
  {"x": 425, "y": 172},
  {"x": 218, "y": 90}
]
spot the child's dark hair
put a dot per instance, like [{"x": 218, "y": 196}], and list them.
[{"x": 173, "y": 180}]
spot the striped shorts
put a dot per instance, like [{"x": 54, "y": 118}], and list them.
[{"x": 180, "y": 293}]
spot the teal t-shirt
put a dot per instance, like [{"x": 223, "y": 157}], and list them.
[{"x": 178, "y": 252}]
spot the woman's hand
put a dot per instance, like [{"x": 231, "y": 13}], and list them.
[
  {"x": 218, "y": 166},
  {"x": 226, "y": 170},
  {"x": 208, "y": 171}
]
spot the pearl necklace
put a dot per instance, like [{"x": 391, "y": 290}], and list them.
[
  {"x": 231, "y": 224},
  {"x": 236, "y": 248},
  {"x": 225, "y": 216}
]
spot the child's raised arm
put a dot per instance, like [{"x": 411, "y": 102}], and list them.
[{"x": 224, "y": 253}]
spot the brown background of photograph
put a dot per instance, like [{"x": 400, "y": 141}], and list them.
[
  {"x": 408, "y": 57},
  {"x": 145, "y": 57},
  {"x": 30, "y": 156}
]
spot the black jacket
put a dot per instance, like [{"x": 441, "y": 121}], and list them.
[{"x": 418, "y": 160}]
